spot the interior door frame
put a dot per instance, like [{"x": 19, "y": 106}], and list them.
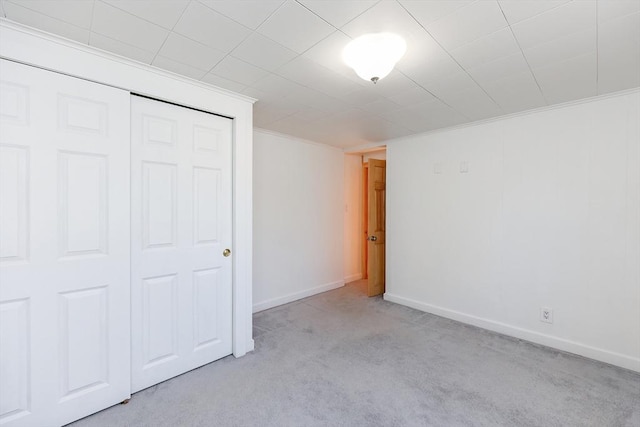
[
  {"x": 376, "y": 238},
  {"x": 33, "y": 47},
  {"x": 365, "y": 221}
]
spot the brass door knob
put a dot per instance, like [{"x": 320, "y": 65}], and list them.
[{"x": 226, "y": 252}]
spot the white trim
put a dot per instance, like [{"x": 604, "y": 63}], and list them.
[
  {"x": 5, "y": 23},
  {"x": 32, "y": 47},
  {"x": 274, "y": 302},
  {"x": 295, "y": 138},
  {"x": 606, "y": 356},
  {"x": 498, "y": 118},
  {"x": 371, "y": 146},
  {"x": 375, "y": 149},
  {"x": 353, "y": 278}
]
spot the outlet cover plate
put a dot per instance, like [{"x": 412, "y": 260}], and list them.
[{"x": 546, "y": 314}]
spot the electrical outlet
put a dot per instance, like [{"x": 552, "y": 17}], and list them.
[{"x": 546, "y": 315}]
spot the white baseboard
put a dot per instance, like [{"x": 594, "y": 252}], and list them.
[
  {"x": 353, "y": 278},
  {"x": 624, "y": 361},
  {"x": 274, "y": 302}
]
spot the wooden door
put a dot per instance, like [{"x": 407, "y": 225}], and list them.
[
  {"x": 181, "y": 224},
  {"x": 64, "y": 247},
  {"x": 376, "y": 223}
]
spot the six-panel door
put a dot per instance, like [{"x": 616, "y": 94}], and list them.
[
  {"x": 181, "y": 224},
  {"x": 64, "y": 247}
]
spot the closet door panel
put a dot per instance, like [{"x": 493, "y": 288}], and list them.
[
  {"x": 181, "y": 224},
  {"x": 64, "y": 246}
]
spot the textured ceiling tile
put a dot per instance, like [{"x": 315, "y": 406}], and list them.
[
  {"x": 516, "y": 92},
  {"x": 612, "y": 9},
  {"x": 377, "y": 128},
  {"x": 359, "y": 96},
  {"x": 302, "y": 95},
  {"x": 411, "y": 97},
  {"x": 569, "y": 80},
  {"x": 619, "y": 53},
  {"x": 45, "y": 22},
  {"x": 161, "y": 12},
  {"x": 223, "y": 83},
  {"x": 394, "y": 83},
  {"x": 385, "y": 16},
  {"x": 519, "y": 10},
  {"x": 310, "y": 114},
  {"x": 239, "y": 71},
  {"x": 328, "y": 53},
  {"x": 468, "y": 23},
  {"x": 427, "y": 61},
  {"x": 293, "y": 62},
  {"x": 209, "y": 27},
  {"x": 562, "y": 48},
  {"x": 178, "y": 67},
  {"x": 474, "y": 104},
  {"x": 338, "y": 12},
  {"x": 119, "y": 48},
  {"x": 75, "y": 12},
  {"x": 295, "y": 27},
  {"x": 381, "y": 106},
  {"x": 455, "y": 83},
  {"x": 500, "y": 68},
  {"x": 427, "y": 12},
  {"x": 190, "y": 52},
  {"x": 307, "y": 73},
  {"x": 122, "y": 26},
  {"x": 263, "y": 52},
  {"x": 575, "y": 16},
  {"x": 436, "y": 115},
  {"x": 265, "y": 113},
  {"x": 486, "y": 49},
  {"x": 250, "y": 13},
  {"x": 275, "y": 84}
]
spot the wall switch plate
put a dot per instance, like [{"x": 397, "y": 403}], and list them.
[
  {"x": 464, "y": 167},
  {"x": 546, "y": 315},
  {"x": 437, "y": 168}
]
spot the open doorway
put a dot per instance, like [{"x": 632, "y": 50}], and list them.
[{"x": 365, "y": 234}]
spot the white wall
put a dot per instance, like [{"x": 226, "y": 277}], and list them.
[
  {"x": 548, "y": 215},
  {"x": 298, "y": 211},
  {"x": 353, "y": 233}
]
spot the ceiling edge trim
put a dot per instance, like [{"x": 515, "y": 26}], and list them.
[
  {"x": 369, "y": 147},
  {"x": 513, "y": 115},
  {"x": 6, "y": 23}
]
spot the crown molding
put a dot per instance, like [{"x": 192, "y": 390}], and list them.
[
  {"x": 10, "y": 25},
  {"x": 517, "y": 114}
]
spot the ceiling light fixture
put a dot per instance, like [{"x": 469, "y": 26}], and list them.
[{"x": 373, "y": 56}]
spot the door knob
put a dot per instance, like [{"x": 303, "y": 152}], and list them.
[
  {"x": 226, "y": 252},
  {"x": 373, "y": 238}
]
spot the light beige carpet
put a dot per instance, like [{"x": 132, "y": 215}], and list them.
[{"x": 342, "y": 359}]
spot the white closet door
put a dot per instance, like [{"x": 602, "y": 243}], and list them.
[
  {"x": 64, "y": 247},
  {"x": 181, "y": 224}
]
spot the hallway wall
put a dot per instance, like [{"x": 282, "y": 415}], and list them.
[
  {"x": 298, "y": 216},
  {"x": 353, "y": 233}
]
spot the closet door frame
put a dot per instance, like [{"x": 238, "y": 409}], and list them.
[{"x": 32, "y": 47}]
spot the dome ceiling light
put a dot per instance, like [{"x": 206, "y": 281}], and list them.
[{"x": 373, "y": 56}]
